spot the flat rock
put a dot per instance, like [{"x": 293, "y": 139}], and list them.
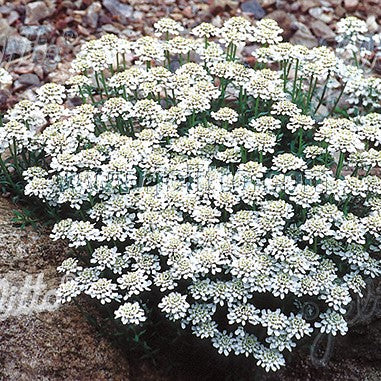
[
  {"x": 5, "y": 29},
  {"x": 29, "y": 79},
  {"x": 267, "y": 3},
  {"x": 17, "y": 45},
  {"x": 92, "y": 14},
  {"x": 54, "y": 344},
  {"x": 13, "y": 17},
  {"x": 35, "y": 32},
  {"x": 116, "y": 8},
  {"x": 315, "y": 12},
  {"x": 6, "y": 9},
  {"x": 372, "y": 24},
  {"x": 253, "y": 8},
  {"x": 303, "y": 36},
  {"x": 36, "y": 12},
  {"x": 351, "y": 5},
  {"x": 322, "y": 30},
  {"x": 306, "y": 5}
]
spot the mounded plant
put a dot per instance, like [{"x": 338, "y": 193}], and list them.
[{"x": 223, "y": 196}]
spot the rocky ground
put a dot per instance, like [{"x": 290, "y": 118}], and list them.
[
  {"x": 44, "y": 342},
  {"x": 37, "y": 40}
]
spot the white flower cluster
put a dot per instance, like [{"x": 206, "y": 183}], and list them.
[
  {"x": 208, "y": 184},
  {"x": 351, "y": 35},
  {"x": 354, "y": 44}
]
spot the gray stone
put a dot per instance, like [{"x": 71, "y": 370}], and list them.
[
  {"x": 267, "y": 3},
  {"x": 138, "y": 15},
  {"x": 35, "y": 32},
  {"x": 303, "y": 36},
  {"x": 326, "y": 17},
  {"x": 115, "y": 7},
  {"x": 37, "y": 11},
  {"x": 29, "y": 79},
  {"x": 92, "y": 14},
  {"x": 252, "y": 7},
  {"x": 315, "y": 12},
  {"x": 372, "y": 24},
  {"x": 109, "y": 28},
  {"x": 351, "y": 5},
  {"x": 17, "y": 45},
  {"x": 13, "y": 17},
  {"x": 5, "y": 29},
  {"x": 306, "y": 5},
  {"x": 6, "y": 9},
  {"x": 322, "y": 30}
]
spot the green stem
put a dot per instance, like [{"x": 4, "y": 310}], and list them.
[
  {"x": 323, "y": 93},
  {"x": 337, "y": 100},
  {"x": 206, "y": 42},
  {"x": 355, "y": 59},
  {"x": 309, "y": 94},
  {"x": 295, "y": 79},
  {"x": 340, "y": 165},
  {"x": 256, "y": 107},
  {"x": 300, "y": 150},
  {"x": 168, "y": 58},
  {"x": 6, "y": 173},
  {"x": 284, "y": 75}
]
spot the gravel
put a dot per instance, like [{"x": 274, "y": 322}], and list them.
[{"x": 35, "y": 26}]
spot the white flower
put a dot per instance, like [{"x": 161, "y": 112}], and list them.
[
  {"x": 243, "y": 313},
  {"x": 103, "y": 290},
  {"x": 337, "y": 297},
  {"x": 167, "y": 26},
  {"x": 269, "y": 359},
  {"x": 288, "y": 162},
  {"x": 225, "y": 114},
  {"x": 332, "y": 323},
  {"x": 51, "y": 93},
  {"x": 223, "y": 342},
  {"x": 134, "y": 283},
  {"x": 206, "y": 185},
  {"x": 174, "y": 305},
  {"x": 266, "y": 31},
  {"x": 68, "y": 291},
  {"x": 275, "y": 321},
  {"x": 69, "y": 265},
  {"x": 130, "y": 313}
]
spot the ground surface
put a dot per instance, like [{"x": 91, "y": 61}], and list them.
[
  {"x": 46, "y": 345},
  {"x": 38, "y": 39}
]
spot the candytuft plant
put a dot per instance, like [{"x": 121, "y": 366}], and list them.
[{"x": 219, "y": 194}]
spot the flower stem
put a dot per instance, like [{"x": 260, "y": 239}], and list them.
[
  {"x": 337, "y": 100},
  {"x": 340, "y": 165},
  {"x": 300, "y": 149},
  {"x": 323, "y": 93},
  {"x": 295, "y": 79}
]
